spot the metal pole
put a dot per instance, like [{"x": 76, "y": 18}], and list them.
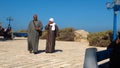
[
  {"x": 9, "y": 19},
  {"x": 115, "y": 27},
  {"x": 115, "y": 5},
  {"x": 9, "y": 23}
]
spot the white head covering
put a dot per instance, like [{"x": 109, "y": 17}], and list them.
[
  {"x": 51, "y": 19},
  {"x": 53, "y": 24}
]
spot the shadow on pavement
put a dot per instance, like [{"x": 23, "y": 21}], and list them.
[{"x": 41, "y": 51}]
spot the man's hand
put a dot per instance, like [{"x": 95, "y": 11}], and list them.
[{"x": 36, "y": 28}]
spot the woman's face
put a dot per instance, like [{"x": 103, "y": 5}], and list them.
[{"x": 50, "y": 22}]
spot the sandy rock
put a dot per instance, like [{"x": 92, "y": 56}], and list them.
[{"x": 81, "y": 35}]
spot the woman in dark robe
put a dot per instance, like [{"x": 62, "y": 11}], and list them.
[
  {"x": 115, "y": 54},
  {"x": 52, "y": 33}
]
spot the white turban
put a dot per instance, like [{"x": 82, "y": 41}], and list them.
[{"x": 51, "y": 19}]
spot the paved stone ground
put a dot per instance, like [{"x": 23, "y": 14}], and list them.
[{"x": 14, "y": 54}]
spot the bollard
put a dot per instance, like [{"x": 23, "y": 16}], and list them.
[{"x": 90, "y": 58}]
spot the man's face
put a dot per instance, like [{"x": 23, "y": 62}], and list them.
[{"x": 35, "y": 17}]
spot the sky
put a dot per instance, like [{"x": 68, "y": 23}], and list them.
[{"x": 89, "y": 15}]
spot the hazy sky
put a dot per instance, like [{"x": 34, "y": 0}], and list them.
[{"x": 90, "y": 15}]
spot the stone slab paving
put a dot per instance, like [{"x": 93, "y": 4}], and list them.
[{"x": 14, "y": 54}]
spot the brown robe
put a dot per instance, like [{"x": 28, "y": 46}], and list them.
[{"x": 51, "y": 37}]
